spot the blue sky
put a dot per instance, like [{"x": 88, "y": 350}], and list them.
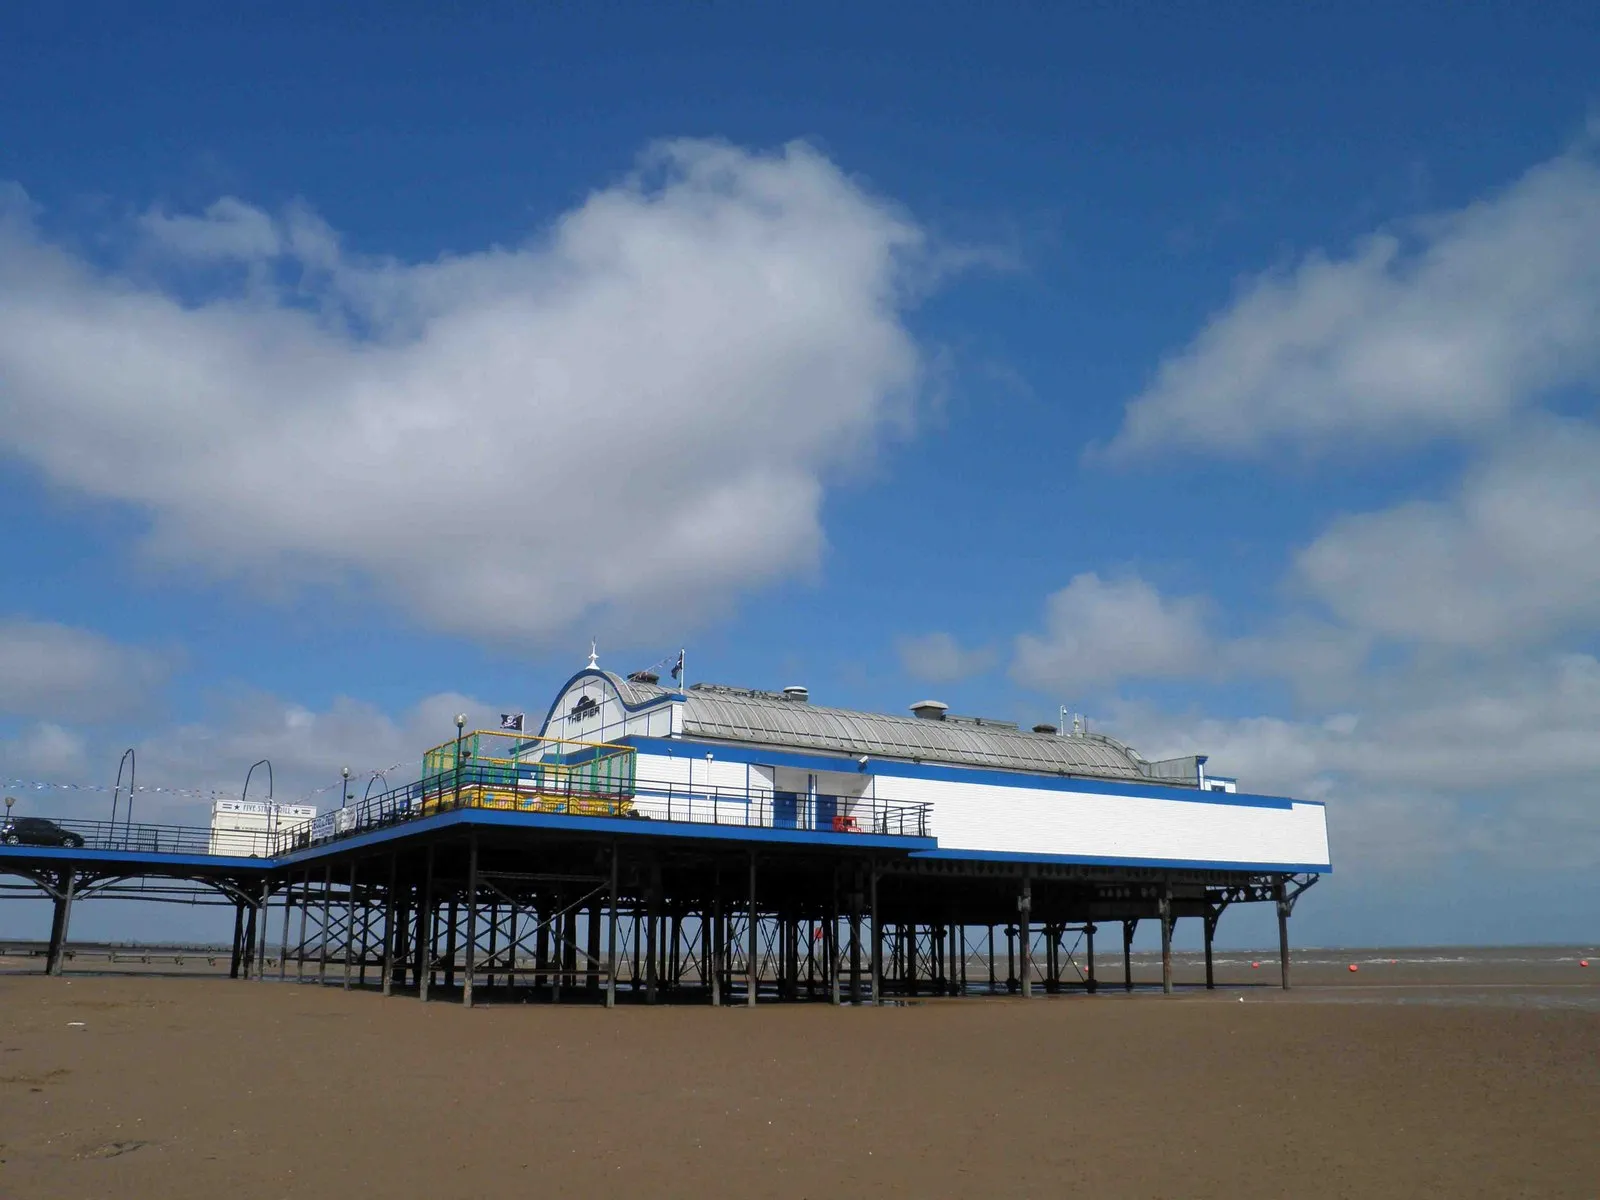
[{"x": 1227, "y": 375}]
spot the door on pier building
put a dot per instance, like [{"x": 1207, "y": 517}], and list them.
[
  {"x": 827, "y": 810},
  {"x": 785, "y": 810},
  {"x": 791, "y": 790}
]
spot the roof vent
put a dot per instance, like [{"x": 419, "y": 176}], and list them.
[
  {"x": 796, "y": 691},
  {"x": 1044, "y": 729},
  {"x": 930, "y": 710}
]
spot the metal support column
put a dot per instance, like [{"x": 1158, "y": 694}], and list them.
[
  {"x": 1210, "y": 923},
  {"x": 831, "y": 939},
  {"x": 611, "y": 937},
  {"x": 391, "y": 911},
  {"x": 715, "y": 958},
  {"x": 591, "y": 978},
  {"x": 450, "y": 943},
  {"x": 877, "y": 941},
  {"x": 425, "y": 934},
  {"x": 247, "y": 944},
  {"x": 652, "y": 934},
  {"x": 1025, "y": 936},
  {"x": 708, "y": 964},
  {"x": 471, "y": 967},
  {"x": 754, "y": 965},
  {"x": 1285, "y": 906},
  {"x": 1127, "y": 953},
  {"x": 350, "y": 928},
  {"x": 1090, "y": 982},
  {"x": 305, "y": 910},
  {"x": 855, "y": 938},
  {"x": 283, "y": 947},
  {"x": 61, "y": 922},
  {"x": 322, "y": 947},
  {"x": 1166, "y": 938},
  {"x": 238, "y": 939},
  {"x": 260, "y": 940}
]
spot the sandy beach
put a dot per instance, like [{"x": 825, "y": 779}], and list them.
[{"x": 1403, "y": 1080}]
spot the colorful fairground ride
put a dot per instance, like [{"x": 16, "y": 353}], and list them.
[{"x": 514, "y": 772}]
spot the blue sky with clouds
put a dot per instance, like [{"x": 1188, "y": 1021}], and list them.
[{"x": 1227, "y": 376}]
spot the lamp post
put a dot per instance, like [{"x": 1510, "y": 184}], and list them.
[
  {"x": 131, "y": 761},
  {"x": 272, "y": 809},
  {"x": 344, "y": 787},
  {"x": 461, "y": 725},
  {"x": 10, "y": 800}
]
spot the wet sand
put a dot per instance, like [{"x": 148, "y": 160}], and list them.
[{"x": 1423, "y": 1079}]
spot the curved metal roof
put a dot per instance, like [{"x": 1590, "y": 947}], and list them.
[{"x": 767, "y": 719}]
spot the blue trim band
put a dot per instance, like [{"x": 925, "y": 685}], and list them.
[
  {"x": 215, "y": 862},
  {"x": 619, "y": 827}
]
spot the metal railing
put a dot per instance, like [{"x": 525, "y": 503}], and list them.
[
  {"x": 158, "y": 839},
  {"x": 487, "y": 788}
]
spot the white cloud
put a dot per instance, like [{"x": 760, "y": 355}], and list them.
[
  {"x": 231, "y": 230},
  {"x": 624, "y": 420},
  {"x": 939, "y": 658},
  {"x": 1513, "y": 558},
  {"x": 1098, "y": 631},
  {"x": 180, "y": 767},
  {"x": 1445, "y": 326},
  {"x": 50, "y": 670},
  {"x": 44, "y": 751}
]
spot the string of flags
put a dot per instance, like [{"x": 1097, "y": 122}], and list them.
[
  {"x": 673, "y": 665},
  {"x": 41, "y": 785}
]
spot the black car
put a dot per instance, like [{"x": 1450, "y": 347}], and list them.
[{"x": 36, "y": 831}]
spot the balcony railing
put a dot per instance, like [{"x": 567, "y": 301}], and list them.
[
  {"x": 568, "y": 794},
  {"x": 153, "y": 839},
  {"x": 473, "y": 787}
]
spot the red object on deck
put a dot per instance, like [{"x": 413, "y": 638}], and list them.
[{"x": 843, "y": 824}]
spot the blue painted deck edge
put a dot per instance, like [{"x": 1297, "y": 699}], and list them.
[
  {"x": 214, "y": 861},
  {"x": 620, "y": 827}
]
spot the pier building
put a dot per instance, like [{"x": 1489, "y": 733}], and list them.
[{"x": 721, "y": 844}]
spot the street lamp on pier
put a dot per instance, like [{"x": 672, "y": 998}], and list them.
[
  {"x": 272, "y": 809},
  {"x": 131, "y": 761},
  {"x": 461, "y": 726}
]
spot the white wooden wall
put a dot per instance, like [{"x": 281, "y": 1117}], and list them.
[{"x": 1020, "y": 820}]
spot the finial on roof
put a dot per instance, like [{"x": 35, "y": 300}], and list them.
[{"x": 594, "y": 654}]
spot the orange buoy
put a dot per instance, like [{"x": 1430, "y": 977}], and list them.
[
  {"x": 1254, "y": 965},
  {"x": 1353, "y": 967},
  {"x": 1583, "y": 962}
]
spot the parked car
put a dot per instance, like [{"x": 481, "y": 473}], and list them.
[{"x": 37, "y": 831}]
